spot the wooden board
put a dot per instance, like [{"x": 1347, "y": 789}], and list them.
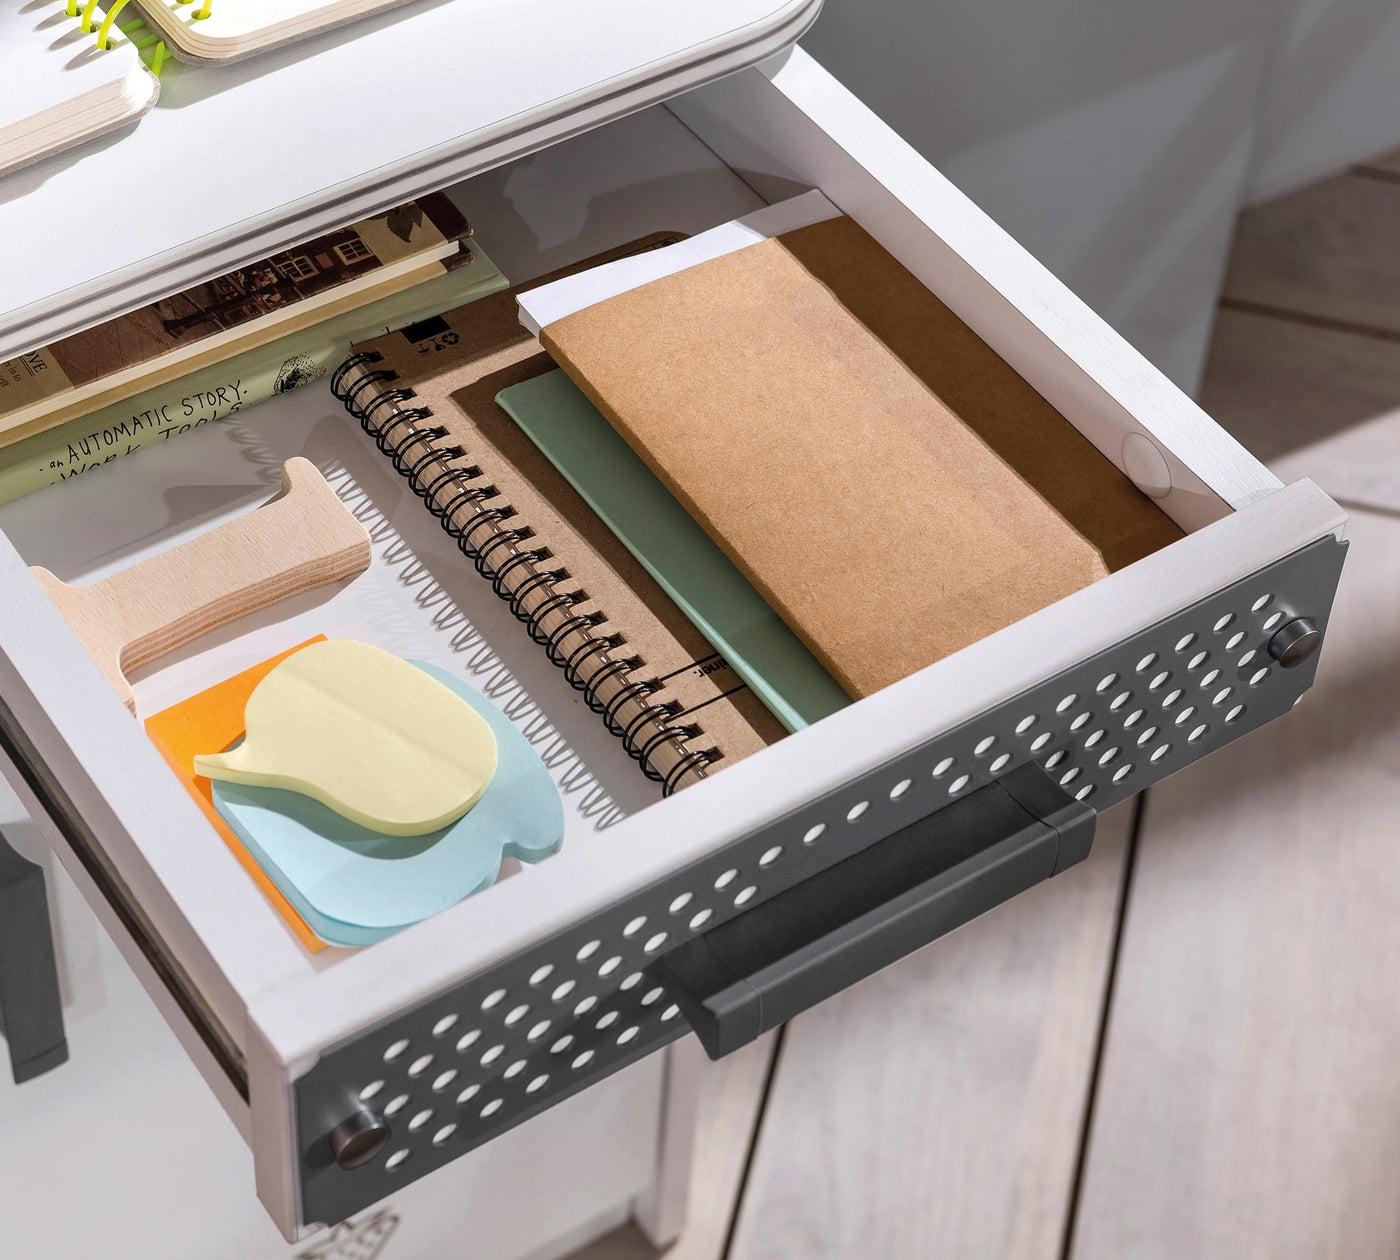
[
  {"x": 935, "y": 1110},
  {"x": 1305, "y": 365},
  {"x": 1328, "y": 251},
  {"x": 1249, "y": 1103},
  {"x": 1387, "y": 163},
  {"x": 731, "y": 1094},
  {"x": 1360, "y": 467},
  {"x": 1279, "y": 385}
]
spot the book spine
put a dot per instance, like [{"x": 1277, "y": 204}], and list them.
[
  {"x": 486, "y": 530},
  {"x": 221, "y": 390},
  {"x": 180, "y": 406}
]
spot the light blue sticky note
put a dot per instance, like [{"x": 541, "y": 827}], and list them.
[
  {"x": 354, "y": 886},
  {"x": 722, "y": 603}
]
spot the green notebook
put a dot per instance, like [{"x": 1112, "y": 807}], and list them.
[{"x": 726, "y": 609}]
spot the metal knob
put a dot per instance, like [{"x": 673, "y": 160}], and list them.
[
  {"x": 359, "y": 1139},
  {"x": 1293, "y": 643}
]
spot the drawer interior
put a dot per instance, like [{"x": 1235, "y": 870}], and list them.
[{"x": 717, "y": 155}]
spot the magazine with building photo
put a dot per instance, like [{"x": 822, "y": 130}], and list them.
[{"x": 227, "y": 315}]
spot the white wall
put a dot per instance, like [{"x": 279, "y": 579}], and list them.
[
  {"x": 1332, "y": 95},
  {"x": 1111, "y": 137},
  {"x": 1116, "y": 138}
]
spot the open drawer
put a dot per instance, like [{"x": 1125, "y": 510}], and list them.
[{"x": 428, "y": 1044}]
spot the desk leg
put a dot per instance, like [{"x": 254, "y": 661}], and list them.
[
  {"x": 31, "y": 1014},
  {"x": 660, "y": 1213}
]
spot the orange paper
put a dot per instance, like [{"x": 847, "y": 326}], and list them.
[{"x": 210, "y": 722}]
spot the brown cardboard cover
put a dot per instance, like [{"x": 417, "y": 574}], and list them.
[
  {"x": 889, "y": 483},
  {"x": 456, "y": 371}
]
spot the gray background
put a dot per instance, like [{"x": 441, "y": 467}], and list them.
[{"x": 1117, "y": 139}]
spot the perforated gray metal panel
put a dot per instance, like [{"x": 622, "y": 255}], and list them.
[{"x": 459, "y": 1069}]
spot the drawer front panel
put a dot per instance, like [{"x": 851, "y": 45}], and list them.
[{"x": 449, "y": 1074}]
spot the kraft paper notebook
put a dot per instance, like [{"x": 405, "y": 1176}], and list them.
[
  {"x": 892, "y": 487},
  {"x": 428, "y": 395},
  {"x": 61, "y": 84}
]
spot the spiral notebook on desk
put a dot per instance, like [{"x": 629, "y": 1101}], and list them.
[
  {"x": 226, "y": 30},
  {"x": 65, "y": 79},
  {"x": 427, "y": 395}
]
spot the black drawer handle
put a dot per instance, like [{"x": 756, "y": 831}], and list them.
[{"x": 800, "y": 947}]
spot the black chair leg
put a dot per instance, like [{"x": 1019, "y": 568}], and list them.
[{"x": 31, "y": 1013}]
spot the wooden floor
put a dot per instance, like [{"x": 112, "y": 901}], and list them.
[{"x": 1190, "y": 1045}]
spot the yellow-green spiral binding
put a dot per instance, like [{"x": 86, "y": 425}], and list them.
[{"x": 148, "y": 44}]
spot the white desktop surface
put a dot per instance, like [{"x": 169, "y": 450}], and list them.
[{"x": 238, "y": 161}]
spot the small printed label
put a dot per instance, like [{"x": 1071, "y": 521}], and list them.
[
  {"x": 29, "y": 379},
  {"x": 433, "y": 326},
  {"x": 431, "y": 335}
]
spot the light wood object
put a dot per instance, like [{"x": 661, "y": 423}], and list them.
[
  {"x": 1387, "y": 164},
  {"x": 1304, "y": 367},
  {"x": 731, "y": 1093},
  {"x": 1280, "y": 385},
  {"x": 1326, "y": 252},
  {"x": 1249, "y": 1104},
  {"x": 302, "y": 539},
  {"x": 935, "y": 1110}
]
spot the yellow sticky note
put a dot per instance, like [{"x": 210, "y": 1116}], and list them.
[{"x": 365, "y": 733}]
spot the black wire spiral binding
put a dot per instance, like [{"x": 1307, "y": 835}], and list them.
[{"x": 406, "y": 436}]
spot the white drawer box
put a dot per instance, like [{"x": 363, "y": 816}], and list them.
[
  {"x": 291, "y": 1042},
  {"x": 183, "y": 1188}
]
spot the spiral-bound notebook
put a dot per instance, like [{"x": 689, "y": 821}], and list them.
[
  {"x": 225, "y": 30},
  {"x": 427, "y": 396},
  {"x": 61, "y": 84}
]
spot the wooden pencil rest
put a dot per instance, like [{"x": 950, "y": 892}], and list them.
[{"x": 302, "y": 539}]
